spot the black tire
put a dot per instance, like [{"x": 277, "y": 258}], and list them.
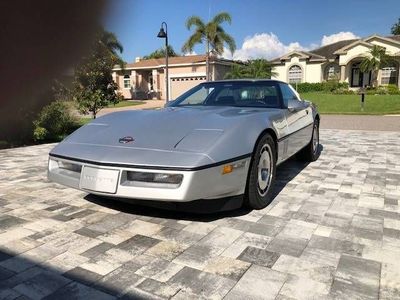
[
  {"x": 310, "y": 152},
  {"x": 260, "y": 181}
]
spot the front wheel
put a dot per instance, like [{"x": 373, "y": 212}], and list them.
[{"x": 261, "y": 174}]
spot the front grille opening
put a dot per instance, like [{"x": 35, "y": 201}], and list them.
[{"x": 69, "y": 166}]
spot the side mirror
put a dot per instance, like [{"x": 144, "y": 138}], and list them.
[{"x": 295, "y": 105}]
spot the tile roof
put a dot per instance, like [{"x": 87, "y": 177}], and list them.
[
  {"x": 155, "y": 62},
  {"x": 394, "y": 37},
  {"x": 328, "y": 50}
]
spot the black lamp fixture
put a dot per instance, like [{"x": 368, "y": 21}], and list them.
[{"x": 163, "y": 34}]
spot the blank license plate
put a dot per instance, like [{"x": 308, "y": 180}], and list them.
[{"x": 99, "y": 180}]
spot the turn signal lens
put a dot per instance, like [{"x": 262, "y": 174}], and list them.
[
  {"x": 230, "y": 168},
  {"x": 227, "y": 169}
]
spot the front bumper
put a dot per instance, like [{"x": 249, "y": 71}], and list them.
[{"x": 208, "y": 183}]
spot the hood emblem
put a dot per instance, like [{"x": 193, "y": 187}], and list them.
[{"x": 126, "y": 139}]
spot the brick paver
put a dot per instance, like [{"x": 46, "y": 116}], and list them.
[{"x": 332, "y": 232}]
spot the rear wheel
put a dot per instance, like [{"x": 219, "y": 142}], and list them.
[
  {"x": 261, "y": 174},
  {"x": 310, "y": 152}
]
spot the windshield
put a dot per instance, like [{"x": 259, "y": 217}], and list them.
[{"x": 247, "y": 94}]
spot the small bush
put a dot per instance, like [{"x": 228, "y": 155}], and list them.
[{"x": 54, "y": 122}]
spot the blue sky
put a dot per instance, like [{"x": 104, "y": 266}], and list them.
[{"x": 269, "y": 28}]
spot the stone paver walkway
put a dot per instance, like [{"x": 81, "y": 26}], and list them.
[{"x": 332, "y": 232}]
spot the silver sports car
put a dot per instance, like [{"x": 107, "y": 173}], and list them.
[{"x": 219, "y": 139}]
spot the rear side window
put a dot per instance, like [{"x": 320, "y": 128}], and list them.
[{"x": 287, "y": 94}]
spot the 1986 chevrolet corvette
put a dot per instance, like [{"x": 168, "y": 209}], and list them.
[{"x": 220, "y": 139}]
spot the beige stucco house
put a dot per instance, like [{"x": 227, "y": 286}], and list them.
[
  {"x": 145, "y": 79},
  {"x": 340, "y": 60}
]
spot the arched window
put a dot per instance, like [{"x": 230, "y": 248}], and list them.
[
  {"x": 295, "y": 74},
  {"x": 127, "y": 82},
  {"x": 332, "y": 71}
]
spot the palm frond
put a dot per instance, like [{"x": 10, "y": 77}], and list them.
[
  {"x": 110, "y": 40},
  {"x": 195, "y": 38},
  {"x": 194, "y": 21},
  {"x": 222, "y": 17},
  {"x": 228, "y": 40}
]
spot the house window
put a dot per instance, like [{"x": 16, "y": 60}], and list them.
[
  {"x": 127, "y": 82},
  {"x": 332, "y": 72},
  {"x": 388, "y": 76},
  {"x": 295, "y": 74}
]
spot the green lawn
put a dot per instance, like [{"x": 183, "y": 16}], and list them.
[
  {"x": 350, "y": 104},
  {"x": 84, "y": 120},
  {"x": 125, "y": 103}
]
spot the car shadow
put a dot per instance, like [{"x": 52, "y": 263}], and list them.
[
  {"x": 29, "y": 277},
  {"x": 200, "y": 210}
]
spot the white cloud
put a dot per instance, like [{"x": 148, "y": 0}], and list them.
[
  {"x": 262, "y": 45},
  {"x": 336, "y": 37},
  {"x": 268, "y": 45},
  {"x": 190, "y": 53}
]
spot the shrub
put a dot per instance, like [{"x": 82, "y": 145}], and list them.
[
  {"x": 392, "y": 89},
  {"x": 54, "y": 122},
  {"x": 326, "y": 86},
  {"x": 380, "y": 90},
  {"x": 306, "y": 87}
]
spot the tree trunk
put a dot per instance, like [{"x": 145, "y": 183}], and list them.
[{"x": 374, "y": 75}]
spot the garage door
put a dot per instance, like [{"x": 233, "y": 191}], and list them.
[{"x": 179, "y": 85}]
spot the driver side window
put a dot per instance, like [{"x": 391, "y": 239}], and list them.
[{"x": 288, "y": 94}]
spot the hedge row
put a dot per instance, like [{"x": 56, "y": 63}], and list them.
[
  {"x": 326, "y": 86},
  {"x": 336, "y": 87}
]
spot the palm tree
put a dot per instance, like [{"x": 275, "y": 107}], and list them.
[
  {"x": 212, "y": 34},
  {"x": 237, "y": 71},
  {"x": 256, "y": 68},
  {"x": 108, "y": 42},
  {"x": 375, "y": 60},
  {"x": 260, "y": 68},
  {"x": 396, "y": 28}
]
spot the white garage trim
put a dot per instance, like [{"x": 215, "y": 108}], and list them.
[{"x": 197, "y": 74}]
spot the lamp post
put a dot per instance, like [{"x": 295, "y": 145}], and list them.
[{"x": 163, "y": 34}]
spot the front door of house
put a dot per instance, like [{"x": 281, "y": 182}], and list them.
[{"x": 358, "y": 78}]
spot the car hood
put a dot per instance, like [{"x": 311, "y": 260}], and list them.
[
  {"x": 162, "y": 129},
  {"x": 157, "y": 135}
]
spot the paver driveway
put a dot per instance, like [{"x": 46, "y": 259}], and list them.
[{"x": 333, "y": 231}]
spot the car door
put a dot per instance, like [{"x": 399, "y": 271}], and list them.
[{"x": 299, "y": 120}]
